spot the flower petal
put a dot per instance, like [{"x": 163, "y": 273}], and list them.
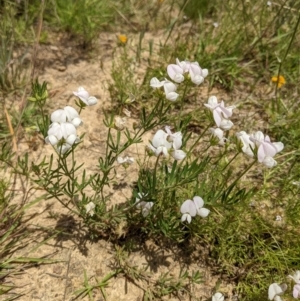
[{"x": 203, "y": 212}]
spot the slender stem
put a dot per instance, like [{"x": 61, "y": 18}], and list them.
[
  {"x": 244, "y": 172},
  {"x": 229, "y": 161},
  {"x": 197, "y": 140},
  {"x": 181, "y": 105},
  {"x": 154, "y": 173}
]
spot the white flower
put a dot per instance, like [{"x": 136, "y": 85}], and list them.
[
  {"x": 220, "y": 112},
  {"x": 175, "y": 72},
  {"x": 170, "y": 89},
  {"x": 219, "y": 134},
  {"x": 127, "y": 160},
  {"x": 164, "y": 143},
  {"x": 155, "y": 83},
  {"x": 176, "y": 138},
  {"x": 184, "y": 65},
  {"x": 85, "y": 97},
  {"x": 178, "y": 154},
  {"x": 190, "y": 208},
  {"x": 266, "y": 149},
  {"x": 197, "y": 74},
  {"x": 295, "y": 277},
  {"x": 248, "y": 145},
  {"x": 160, "y": 145},
  {"x": 68, "y": 114},
  {"x": 296, "y": 290},
  {"x": 216, "y": 24},
  {"x": 218, "y": 297},
  {"x": 90, "y": 208},
  {"x": 226, "y": 124},
  {"x": 269, "y": 3},
  {"x": 144, "y": 206},
  {"x": 62, "y": 135},
  {"x": 275, "y": 290}
]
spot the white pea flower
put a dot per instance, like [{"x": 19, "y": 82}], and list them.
[
  {"x": 85, "y": 97},
  {"x": 191, "y": 208},
  {"x": 276, "y": 290},
  {"x": 170, "y": 89},
  {"x": 197, "y": 74},
  {"x": 218, "y": 297},
  {"x": 221, "y": 113},
  {"x": 125, "y": 161},
  {"x": 144, "y": 206},
  {"x": 226, "y": 124},
  {"x": 295, "y": 277},
  {"x": 90, "y": 208},
  {"x": 175, "y": 72},
  {"x": 219, "y": 134},
  {"x": 266, "y": 149},
  {"x": 62, "y": 136},
  {"x": 155, "y": 83},
  {"x": 176, "y": 138},
  {"x": 296, "y": 289},
  {"x": 248, "y": 145},
  {"x": 160, "y": 145},
  {"x": 269, "y": 3},
  {"x": 178, "y": 154},
  {"x": 68, "y": 114},
  {"x": 184, "y": 65},
  {"x": 164, "y": 143}
]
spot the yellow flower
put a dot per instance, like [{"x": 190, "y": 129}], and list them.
[
  {"x": 122, "y": 38},
  {"x": 280, "y": 80}
]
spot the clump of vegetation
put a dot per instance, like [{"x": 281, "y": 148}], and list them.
[{"x": 219, "y": 176}]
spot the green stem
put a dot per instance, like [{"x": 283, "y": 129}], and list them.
[
  {"x": 244, "y": 172},
  {"x": 229, "y": 161},
  {"x": 181, "y": 105},
  {"x": 154, "y": 173},
  {"x": 197, "y": 140}
]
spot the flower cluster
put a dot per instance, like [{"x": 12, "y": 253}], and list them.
[
  {"x": 260, "y": 146},
  {"x": 296, "y": 289},
  {"x": 276, "y": 290},
  {"x": 191, "y": 208},
  {"x": 195, "y": 72},
  {"x": 177, "y": 73},
  {"x": 145, "y": 207},
  {"x": 165, "y": 143},
  {"x": 62, "y": 133},
  {"x": 221, "y": 115}
]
